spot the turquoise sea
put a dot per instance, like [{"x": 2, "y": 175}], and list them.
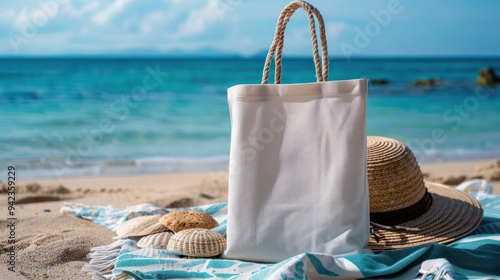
[{"x": 70, "y": 117}]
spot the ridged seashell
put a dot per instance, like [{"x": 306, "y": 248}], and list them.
[
  {"x": 197, "y": 242},
  {"x": 185, "y": 219},
  {"x": 155, "y": 241},
  {"x": 140, "y": 226}
]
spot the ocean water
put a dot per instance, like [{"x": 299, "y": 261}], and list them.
[{"x": 71, "y": 117}]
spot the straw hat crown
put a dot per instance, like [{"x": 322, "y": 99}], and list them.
[{"x": 394, "y": 177}]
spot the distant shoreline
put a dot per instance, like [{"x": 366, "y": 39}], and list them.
[{"x": 239, "y": 57}]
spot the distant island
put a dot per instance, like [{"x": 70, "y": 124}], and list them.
[{"x": 212, "y": 53}]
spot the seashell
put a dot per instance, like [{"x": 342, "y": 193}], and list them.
[
  {"x": 140, "y": 226},
  {"x": 155, "y": 241},
  {"x": 185, "y": 219},
  {"x": 197, "y": 242}
]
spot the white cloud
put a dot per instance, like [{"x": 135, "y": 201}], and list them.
[
  {"x": 36, "y": 16},
  {"x": 153, "y": 20},
  {"x": 298, "y": 41},
  {"x": 301, "y": 37},
  {"x": 23, "y": 19},
  {"x": 79, "y": 12},
  {"x": 53, "y": 43},
  {"x": 198, "y": 20},
  {"x": 333, "y": 29},
  {"x": 110, "y": 11},
  {"x": 7, "y": 15},
  {"x": 82, "y": 26}
]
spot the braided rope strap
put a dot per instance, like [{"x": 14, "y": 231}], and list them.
[{"x": 279, "y": 38}]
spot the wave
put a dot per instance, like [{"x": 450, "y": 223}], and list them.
[
  {"x": 434, "y": 155},
  {"x": 54, "y": 168}
]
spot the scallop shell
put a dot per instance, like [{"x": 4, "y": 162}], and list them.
[
  {"x": 155, "y": 241},
  {"x": 185, "y": 219},
  {"x": 140, "y": 226},
  {"x": 197, "y": 242}
]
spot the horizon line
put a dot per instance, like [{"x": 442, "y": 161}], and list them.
[{"x": 229, "y": 56}]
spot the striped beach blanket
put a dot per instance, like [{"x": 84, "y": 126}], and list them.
[{"x": 476, "y": 256}]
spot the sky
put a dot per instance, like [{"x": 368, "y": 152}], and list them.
[{"x": 246, "y": 27}]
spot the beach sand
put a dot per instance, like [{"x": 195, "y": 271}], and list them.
[{"x": 50, "y": 245}]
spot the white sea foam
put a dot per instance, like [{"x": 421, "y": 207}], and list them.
[{"x": 155, "y": 165}]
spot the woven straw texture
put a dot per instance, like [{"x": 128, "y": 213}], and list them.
[
  {"x": 186, "y": 219},
  {"x": 197, "y": 242},
  {"x": 394, "y": 177},
  {"x": 155, "y": 241},
  {"x": 140, "y": 226},
  {"x": 395, "y": 181}
]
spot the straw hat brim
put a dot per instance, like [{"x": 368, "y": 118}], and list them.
[{"x": 452, "y": 215}]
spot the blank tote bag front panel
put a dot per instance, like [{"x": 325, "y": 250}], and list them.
[{"x": 297, "y": 178}]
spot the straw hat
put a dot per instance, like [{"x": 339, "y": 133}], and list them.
[{"x": 406, "y": 211}]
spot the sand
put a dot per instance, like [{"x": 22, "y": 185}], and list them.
[{"x": 51, "y": 245}]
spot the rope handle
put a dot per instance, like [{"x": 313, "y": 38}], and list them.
[
  {"x": 279, "y": 38},
  {"x": 310, "y": 10}
]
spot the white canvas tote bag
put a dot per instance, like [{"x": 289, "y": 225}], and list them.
[{"x": 297, "y": 178}]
